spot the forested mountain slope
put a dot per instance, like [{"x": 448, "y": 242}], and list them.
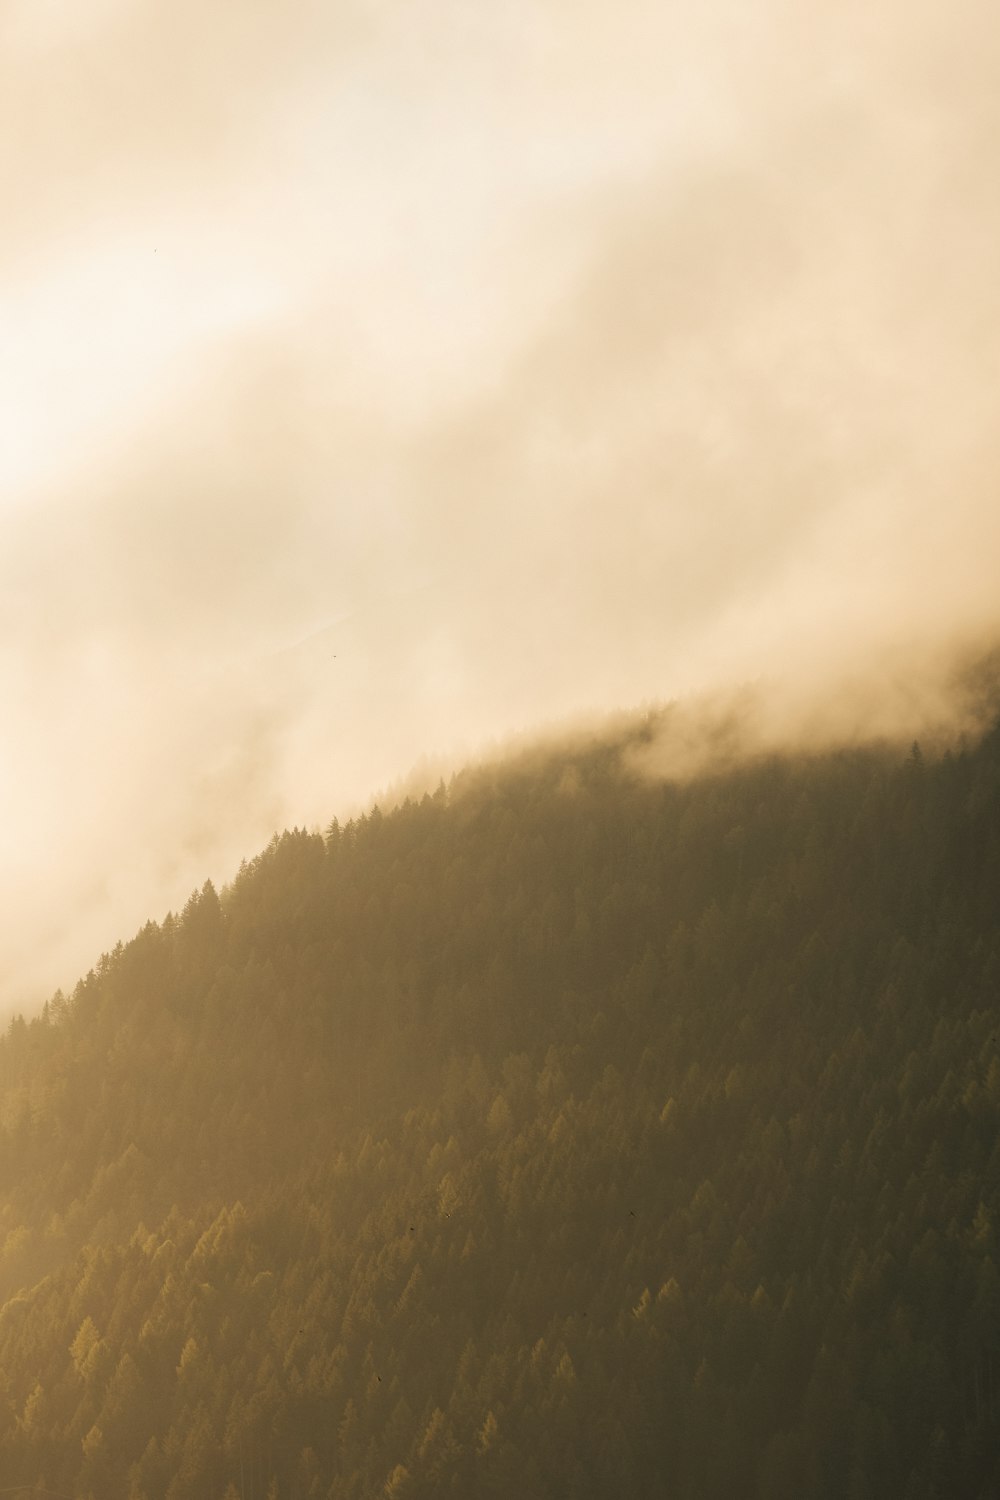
[{"x": 560, "y": 1135}]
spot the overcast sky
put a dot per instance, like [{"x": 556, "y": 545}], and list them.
[{"x": 382, "y": 377}]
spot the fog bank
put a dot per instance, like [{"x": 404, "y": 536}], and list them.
[{"x": 382, "y": 380}]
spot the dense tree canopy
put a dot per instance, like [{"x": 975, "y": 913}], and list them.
[{"x": 562, "y": 1134}]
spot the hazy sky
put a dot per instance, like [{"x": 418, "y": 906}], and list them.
[{"x": 378, "y": 377}]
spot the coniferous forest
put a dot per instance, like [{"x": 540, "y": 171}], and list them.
[{"x": 560, "y": 1134}]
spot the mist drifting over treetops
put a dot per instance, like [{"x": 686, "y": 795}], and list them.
[{"x": 380, "y": 379}]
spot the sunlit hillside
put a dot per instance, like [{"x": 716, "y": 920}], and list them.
[{"x": 564, "y": 1133}]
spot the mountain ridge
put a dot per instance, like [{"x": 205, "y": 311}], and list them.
[{"x": 560, "y": 1133}]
